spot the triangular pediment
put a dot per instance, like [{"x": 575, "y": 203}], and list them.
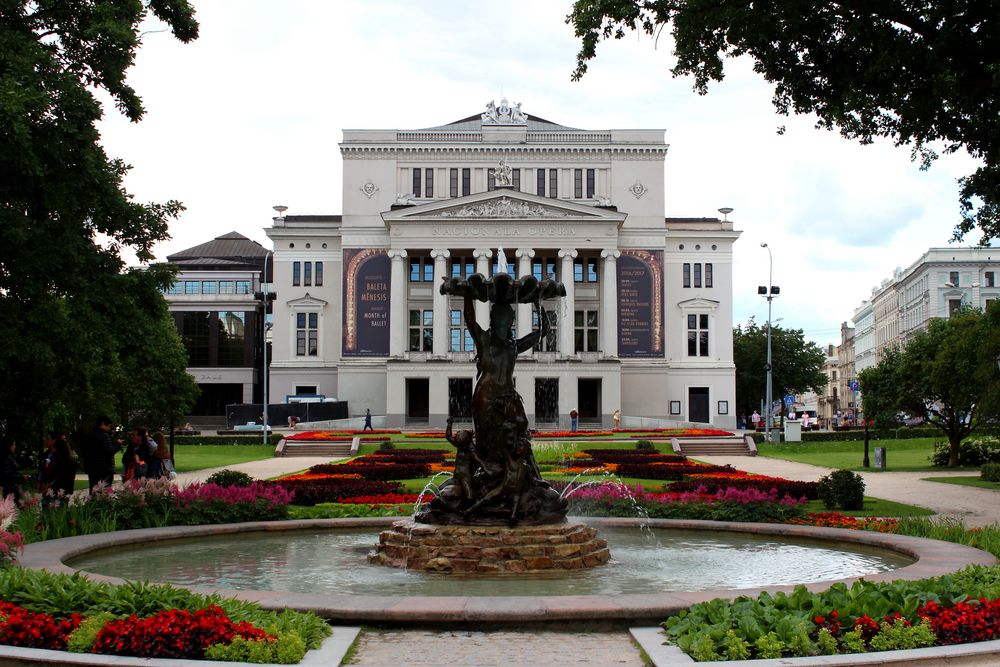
[
  {"x": 306, "y": 302},
  {"x": 503, "y": 204},
  {"x": 698, "y": 303}
]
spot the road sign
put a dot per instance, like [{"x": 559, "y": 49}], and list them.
[
  {"x": 854, "y": 385},
  {"x": 789, "y": 400}
]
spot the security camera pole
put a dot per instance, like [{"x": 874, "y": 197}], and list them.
[{"x": 769, "y": 293}]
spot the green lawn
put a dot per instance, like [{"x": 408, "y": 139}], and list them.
[
  {"x": 901, "y": 455},
  {"x": 198, "y": 457},
  {"x": 874, "y": 507},
  {"x": 966, "y": 481}
]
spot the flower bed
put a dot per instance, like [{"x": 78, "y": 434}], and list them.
[
  {"x": 374, "y": 471},
  {"x": 739, "y": 480},
  {"x": 837, "y": 520},
  {"x": 633, "y": 456},
  {"x": 340, "y": 436},
  {"x": 407, "y": 456},
  {"x": 331, "y": 490},
  {"x": 668, "y": 471}
]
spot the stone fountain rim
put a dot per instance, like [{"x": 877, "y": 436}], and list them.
[{"x": 932, "y": 558}]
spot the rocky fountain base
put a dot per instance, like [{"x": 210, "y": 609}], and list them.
[{"x": 490, "y": 549}]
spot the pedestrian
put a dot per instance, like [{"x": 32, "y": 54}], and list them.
[
  {"x": 805, "y": 420},
  {"x": 161, "y": 454},
  {"x": 10, "y": 471},
  {"x": 755, "y": 420},
  {"x": 368, "y": 420},
  {"x": 616, "y": 417},
  {"x": 133, "y": 464},
  {"x": 573, "y": 416},
  {"x": 741, "y": 423},
  {"x": 99, "y": 454},
  {"x": 58, "y": 475}
]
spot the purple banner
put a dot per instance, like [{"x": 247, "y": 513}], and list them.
[
  {"x": 366, "y": 303},
  {"x": 640, "y": 304}
]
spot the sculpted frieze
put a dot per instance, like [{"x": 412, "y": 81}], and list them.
[{"x": 503, "y": 208}]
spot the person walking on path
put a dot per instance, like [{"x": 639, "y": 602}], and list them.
[
  {"x": 99, "y": 454},
  {"x": 368, "y": 420},
  {"x": 755, "y": 420},
  {"x": 616, "y": 417},
  {"x": 573, "y": 417}
]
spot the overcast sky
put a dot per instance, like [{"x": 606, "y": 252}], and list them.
[{"x": 250, "y": 115}]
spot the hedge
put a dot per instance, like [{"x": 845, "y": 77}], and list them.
[
  {"x": 249, "y": 439},
  {"x": 791, "y": 488}
]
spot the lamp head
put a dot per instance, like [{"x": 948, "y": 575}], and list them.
[
  {"x": 762, "y": 290},
  {"x": 725, "y": 211},
  {"x": 763, "y": 245},
  {"x": 775, "y": 290},
  {"x": 280, "y": 209}
]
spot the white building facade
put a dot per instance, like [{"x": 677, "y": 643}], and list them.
[{"x": 646, "y": 324}]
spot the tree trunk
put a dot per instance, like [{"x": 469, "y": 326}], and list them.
[{"x": 954, "y": 440}]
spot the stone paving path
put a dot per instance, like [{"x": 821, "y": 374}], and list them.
[
  {"x": 396, "y": 648},
  {"x": 262, "y": 469},
  {"x": 976, "y": 507}
]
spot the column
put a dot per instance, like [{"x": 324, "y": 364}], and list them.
[
  {"x": 442, "y": 323},
  {"x": 483, "y": 257},
  {"x": 566, "y": 322},
  {"x": 524, "y": 256},
  {"x": 609, "y": 303},
  {"x": 398, "y": 324}
]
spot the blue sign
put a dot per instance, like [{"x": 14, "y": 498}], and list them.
[
  {"x": 789, "y": 400},
  {"x": 854, "y": 385}
]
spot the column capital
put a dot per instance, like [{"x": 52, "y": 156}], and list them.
[
  {"x": 525, "y": 252},
  {"x": 611, "y": 254},
  {"x": 440, "y": 253},
  {"x": 567, "y": 253},
  {"x": 482, "y": 253},
  {"x": 397, "y": 253}
]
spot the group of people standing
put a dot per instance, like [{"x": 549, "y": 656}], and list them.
[
  {"x": 144, "y": 456},
  {"x": 56, "y": 474}
]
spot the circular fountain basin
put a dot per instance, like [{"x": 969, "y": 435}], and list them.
[{"x": 658, "y": 567}]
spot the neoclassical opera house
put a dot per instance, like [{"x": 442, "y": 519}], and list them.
[{"x": 646, "y": 324}]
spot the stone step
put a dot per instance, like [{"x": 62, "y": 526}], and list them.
[{"x": 331, "y": 449}]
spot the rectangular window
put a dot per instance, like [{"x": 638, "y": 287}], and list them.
[
  {"x": 591, "y": 183},
  {"x": 687, "y": 276},
  {"x": 540, "y": 182},
  {"x": 242, "y": 286},
  {"x": 990, "y": 279},
  {"x": 319, "y": 274},
  {"x": 421, "y": 270},
  {"x": 461, "y": 339},
  {"x": 543, "y": 268},
  {"x": 175, "y": 288},
  {"x": 231, "y": 333},
  {"x": 697, "y": 275},
  {"x": 306, "y": 390},
  {"x": 209, "y": 287},
  {"x": 953, "y": 278},
  {"x": 585, "y": 337},
  {"x": 578, "y": 183},
  {"x": 708, "y": 275},
  {"x": 491, "y": 180},
  {"x": 511, "y": 266},
  {"x": 192, "y": 287},
  {"x": 516, "y": 179},
  {"x": 416, "y": 182},
  {"x": 428, "y": 183},
  {"x": 307, "y": 334},
  {"x": 549, "y": 342},
  {"x": 954, "y": 305},
  {"x": 697, "y": 335},
  {"x": 462, "y": 267},
  {"x": 296, "y": 274},
  {"x": 585, "y": 270},
  {"x": 226, "y": 287},
  {"x": 453, "y": 182},
  {"x": 466, "y": 181},
  {"x": 554, "y": 183},
  {"x": 307, "y": 275},
  {"x": 421, "y": 330}
]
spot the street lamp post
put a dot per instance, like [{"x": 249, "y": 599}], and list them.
[
  {"x": 264, "y": 343},
  {"x": 769, "y": 293}
]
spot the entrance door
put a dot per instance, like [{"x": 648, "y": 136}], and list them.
[
  {"x": 417, "y": 399},
  {"x": 589, "y": 397},
  {"x": 460, "y": 398},
  {"x": 698, "y": 404},
  {"x": 546, "y": 400}
]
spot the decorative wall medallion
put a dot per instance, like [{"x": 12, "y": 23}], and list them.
[
  {"x": 638, "y": 189},
  {"x": 503, "y": 208},
  {"x": 369, "y": 189},
  {"x": 504, "y": 114}
]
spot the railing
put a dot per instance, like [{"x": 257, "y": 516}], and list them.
[
  {"x": 570, "y": 137},
  {"x": 439, "y": 136}
]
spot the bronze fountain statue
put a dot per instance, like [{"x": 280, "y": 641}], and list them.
[{"x": 496, "y": 478}]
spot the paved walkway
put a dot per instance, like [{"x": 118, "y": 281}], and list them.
[
  {"x": 262, "y": 469},
  {"x": 976, "y": 507}
]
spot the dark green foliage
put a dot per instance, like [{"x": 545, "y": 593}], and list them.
[
  {"x": 86, "y": 328},
  {"x": 230, "y": 478},
  {"x": 991, "y": 472},
  {"x": 226, "y": 439},
  {"x": 386, "y": 446},
  {"x": 644, "y": 445},
  {"x": 842, "y": 489},
  {"x": 795, "y": 362},
  {"x": 930, "y": 84},
  {"x": 971, "y": 452}
]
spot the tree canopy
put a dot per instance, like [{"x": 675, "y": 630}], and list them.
[
  {"x": 923, "y": 73},
  {"x": 80, "y": 327},
  {"x": 796, "y": 364},
  {"x": 947, "y": 374}
]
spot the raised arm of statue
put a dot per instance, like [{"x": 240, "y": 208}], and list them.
[{"x": 470, "y": 320}]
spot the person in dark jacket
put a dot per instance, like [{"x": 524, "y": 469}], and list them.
[
  {"x": 10, "y": 472},
  {"x": 99, "y": 454},
  {"x": 59, "y": 471}
]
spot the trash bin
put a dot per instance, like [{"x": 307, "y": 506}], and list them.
[
  {"x": 793, "y": 430},
  {"x": 880, "y": 458}
]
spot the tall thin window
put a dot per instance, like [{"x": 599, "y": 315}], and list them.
[
  {"x": 585, "y": 270},
  {"x": 491, "y": 180},
  {"x": 708, "y": 275},
  {"x": 578, "y": 183},
  {"x": 296, "y": 274},
  {"x": 516, "y": 179},
  {"x": 307, "y": 274},
  {"x": 554, "y": 183},
  {"x": 697, "y": 326},
  {"x": 421, "y": 330},
  {"x": 591, "y": 183},
  {"x": 306, "y": 334},
  {"x": 540, "y": 182},
  {"x": 453, "y": 182},
  {"x": 416, "y": 182},
  {"x": 586, "y": 330},
  {"x": 466, "y": 180},
  {"x": 697, "y": 275},
  {"x": 953, "y": 278},
  {"x": 461, "y": 339},
  {"x": 550, "y": 342},
  {"x": 543, "y": 268},
  {"x": 687, "y": 275},
  {"x": 428, "y": 183},
  {"x": 421, "y": 270},
  {"x": 990, "y": 279},
  {"x": 319, "y": 274}
]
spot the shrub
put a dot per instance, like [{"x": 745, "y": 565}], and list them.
[
  {"x": 82, "y": 639},
  {"x": 285, "y": 650},
  {"x": 230, "y": 478},
  {"x": 991, "y": 472},
  {"x": 386, "y": 446},
  {"x": 842, "y": 489},
  {"x": 971, "y": 451},
  {"x": 645, "y": 445}
]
